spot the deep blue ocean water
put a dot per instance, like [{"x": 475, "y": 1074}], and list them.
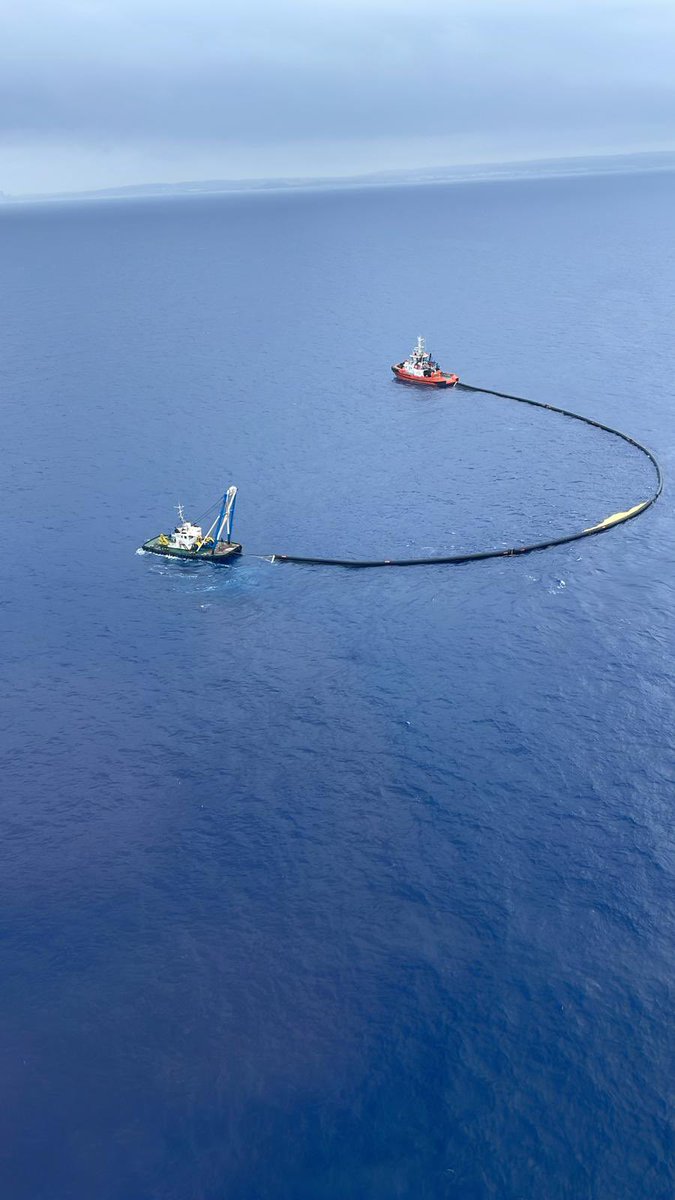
[{"x": 317, "y": 884}]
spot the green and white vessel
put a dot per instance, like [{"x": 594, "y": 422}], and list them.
[{"x": 188, "y": 540}]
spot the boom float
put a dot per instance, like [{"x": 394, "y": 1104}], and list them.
[{"x": 477, "y": 556}]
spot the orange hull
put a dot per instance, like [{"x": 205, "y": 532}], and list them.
[{"x": 436, "y": 379}]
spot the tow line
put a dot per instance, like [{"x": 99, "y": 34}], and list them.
[{"x": 607, "y": 523}]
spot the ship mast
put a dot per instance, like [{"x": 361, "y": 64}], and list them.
[{"x": 226, "y": 516}]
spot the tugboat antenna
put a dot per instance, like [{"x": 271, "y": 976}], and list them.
[{"x": 181, "y": 514}]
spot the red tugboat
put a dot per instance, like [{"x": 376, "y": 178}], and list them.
[{"x": 421, "y": 368}]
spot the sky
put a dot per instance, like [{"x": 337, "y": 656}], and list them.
[{"x": 107, "y": 93}]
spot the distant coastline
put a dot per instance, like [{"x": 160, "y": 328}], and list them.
[{"x": 551, "y": 168}]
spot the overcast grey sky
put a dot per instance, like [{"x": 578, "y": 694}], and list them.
[{"x": 98, "y": 93}]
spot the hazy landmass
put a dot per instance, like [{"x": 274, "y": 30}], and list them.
[{"x": 466, "y": 173}]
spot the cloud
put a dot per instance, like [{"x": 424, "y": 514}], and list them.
[{"x": 110, "y": 74}]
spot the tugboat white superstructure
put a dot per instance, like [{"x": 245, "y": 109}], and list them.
[
  {"x": 188, "y": 541},
  {"x": 420, "y": 367}
]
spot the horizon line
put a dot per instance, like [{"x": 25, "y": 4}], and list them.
[{"x": 628, "y": 162}]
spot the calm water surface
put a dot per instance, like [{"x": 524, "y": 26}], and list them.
[{"x": 318, "y": 884}]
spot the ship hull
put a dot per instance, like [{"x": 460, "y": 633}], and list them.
[
  {"x": 438, "y": 379},
  {"x": 223, "y": 553}
]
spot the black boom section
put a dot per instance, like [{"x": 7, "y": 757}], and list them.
[{"x": 601, "y": 527}]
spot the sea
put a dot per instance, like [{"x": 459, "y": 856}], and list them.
[{"x": 316, "y": 883}]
